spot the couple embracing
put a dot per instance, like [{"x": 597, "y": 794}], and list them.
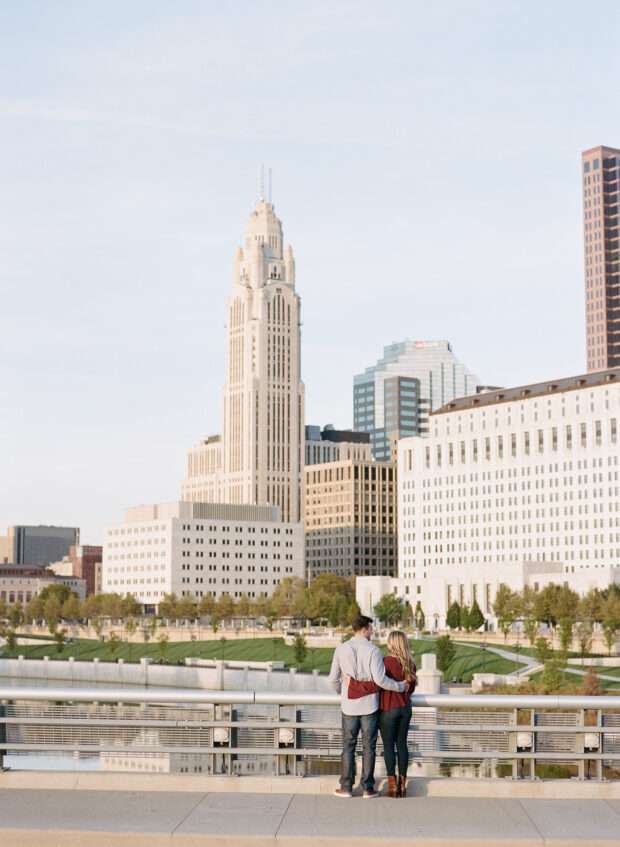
[{"x": 375, "y": 697}]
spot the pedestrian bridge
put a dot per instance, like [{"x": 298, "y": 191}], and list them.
[{"x": 179, "y": 767}]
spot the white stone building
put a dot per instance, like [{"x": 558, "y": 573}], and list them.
[
  {"x": 195, "y": 549},
  {"x": 518, "y": 486},
  {"x": 259, "y": 459}
]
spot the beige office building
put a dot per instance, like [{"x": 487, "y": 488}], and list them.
[
  {"x": 600, "y": 176},
  {"x": 350, "y": 518}
]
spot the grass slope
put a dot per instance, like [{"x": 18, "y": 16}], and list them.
[{"x": 467, "y": 661}]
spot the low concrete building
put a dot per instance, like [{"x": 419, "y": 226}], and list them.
[
  {"x": 196, "y": 549},
  {"x": 20, "y": 583}
]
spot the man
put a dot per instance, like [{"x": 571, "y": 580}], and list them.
[{"x": 361, "y": 660}]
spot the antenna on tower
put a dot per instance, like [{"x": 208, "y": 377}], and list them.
[
  {"x": 261, "y": 193},
  {"x": 269, "y": 184}
]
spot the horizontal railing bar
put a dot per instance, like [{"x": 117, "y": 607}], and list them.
[
  {"x": 579, "y": 729},
  {"x": 314, "y": 753},
  {"x": 301, "y": 698}
]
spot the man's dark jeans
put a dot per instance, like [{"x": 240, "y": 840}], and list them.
[{"x": 351, "y": 726}]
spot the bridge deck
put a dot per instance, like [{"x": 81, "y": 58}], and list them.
[{"x": 181, "y": 819}]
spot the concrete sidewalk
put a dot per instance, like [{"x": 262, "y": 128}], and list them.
[{"x": 107, "y": 818}]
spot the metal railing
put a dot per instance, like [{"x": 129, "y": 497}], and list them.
[{"x": 298, "y": 733}]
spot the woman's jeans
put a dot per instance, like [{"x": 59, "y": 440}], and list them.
[
  {"x": 394, "y": 726},
  {"x": 351, "y": 726}
]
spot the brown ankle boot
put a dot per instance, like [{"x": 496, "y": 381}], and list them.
[
  {"x": 392, "y": 787},
  {"x": 402, "y": 786}
]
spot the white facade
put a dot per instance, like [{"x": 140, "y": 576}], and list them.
[
  {"x": 259, "y": 460},
  {"x": 519, "y": 486},
  {"x": 195, "y": 549}
]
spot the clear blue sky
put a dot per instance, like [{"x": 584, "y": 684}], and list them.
[{"x": 426, "y": 168}]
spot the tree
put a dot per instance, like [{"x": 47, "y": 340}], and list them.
[
  {"x": 476, "y": 618},
  {"x": 591, "y": 606},
  {"x": 591, "y": 686},
  {"x": 419, "y": 618},
  {"x": 289, "y": 598},
  {"x": 464, "y": 618},
  {"x": 3, "y": 608},
  {"x": 446, "y": 652},
  {"x": 225, "y": 607},
  {"x": 566, "y": 633},
  {"x": 186, "y": 608},
  {"x": 72, "y": 608},
  {"x": 543, "y": 651},
  {"x": 610, "y": 614},
  {"x": 92, "y": 606},
  {"x": 59, "y": 638},
  {"x": 300, "y": 648},
  {"x": 52, "y": 612},
  {"x": 11, "y": 640},
  {"x": 114, "y": 643},
  {"x": 130, "y": 608},
  {"x": 34, "y": 609},
  {"x": 149, "y": 629},
  {"x": 15, "y": 615},
  {"x": 206, "y": 605},
  {"x": 131, "y": 625},
  {"x": 324, "y": 592},
  {"x": 506, "y": 607},
  {"x": 528, "y": 603},
  {"x": 98, "y": 625},
  {"x": 407, "y": 620},
  {"x": 168, "y": 607},
  {"x": 453, "y": 617},
  {"x": 58, "y": 590},
  {"x": 162, "y": 644},
  {"x": 552, "y": 676},
  {"x": 584, "y": 637},
  {"x": 389, "y": 610},
  {"x": 353, "y": 612},
  {"x": 244, "y": 606}
]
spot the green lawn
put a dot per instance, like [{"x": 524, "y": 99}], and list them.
[{"x": 468, "y": 659}]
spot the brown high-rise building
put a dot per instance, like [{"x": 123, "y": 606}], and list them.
[{"x": 601, "y": 235}]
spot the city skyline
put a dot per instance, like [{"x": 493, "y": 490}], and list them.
[{"x": 125, "y": 192}]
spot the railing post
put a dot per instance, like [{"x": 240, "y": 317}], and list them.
[
  {"x": 580, "y": 745},
  {"x": 2, "y": 735},
  {"x": 601, "y": 744}
]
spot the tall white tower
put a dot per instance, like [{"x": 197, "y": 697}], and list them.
[
  {"x": 259, "y": 460},
  {"x": 263, "y": 394}
]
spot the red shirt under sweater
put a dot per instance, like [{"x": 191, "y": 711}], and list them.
[{"x": 388, "y": 699}]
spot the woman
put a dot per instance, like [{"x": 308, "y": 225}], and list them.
[{"x": 395, "y": 715}]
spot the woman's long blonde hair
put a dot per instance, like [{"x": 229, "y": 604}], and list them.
[{"x": 398, "y": 646}]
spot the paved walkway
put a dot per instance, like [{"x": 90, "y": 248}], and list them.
[{"x": 106, "y": 819}]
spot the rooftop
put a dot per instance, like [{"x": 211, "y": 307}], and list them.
[{"x": 527, "y": 392}]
